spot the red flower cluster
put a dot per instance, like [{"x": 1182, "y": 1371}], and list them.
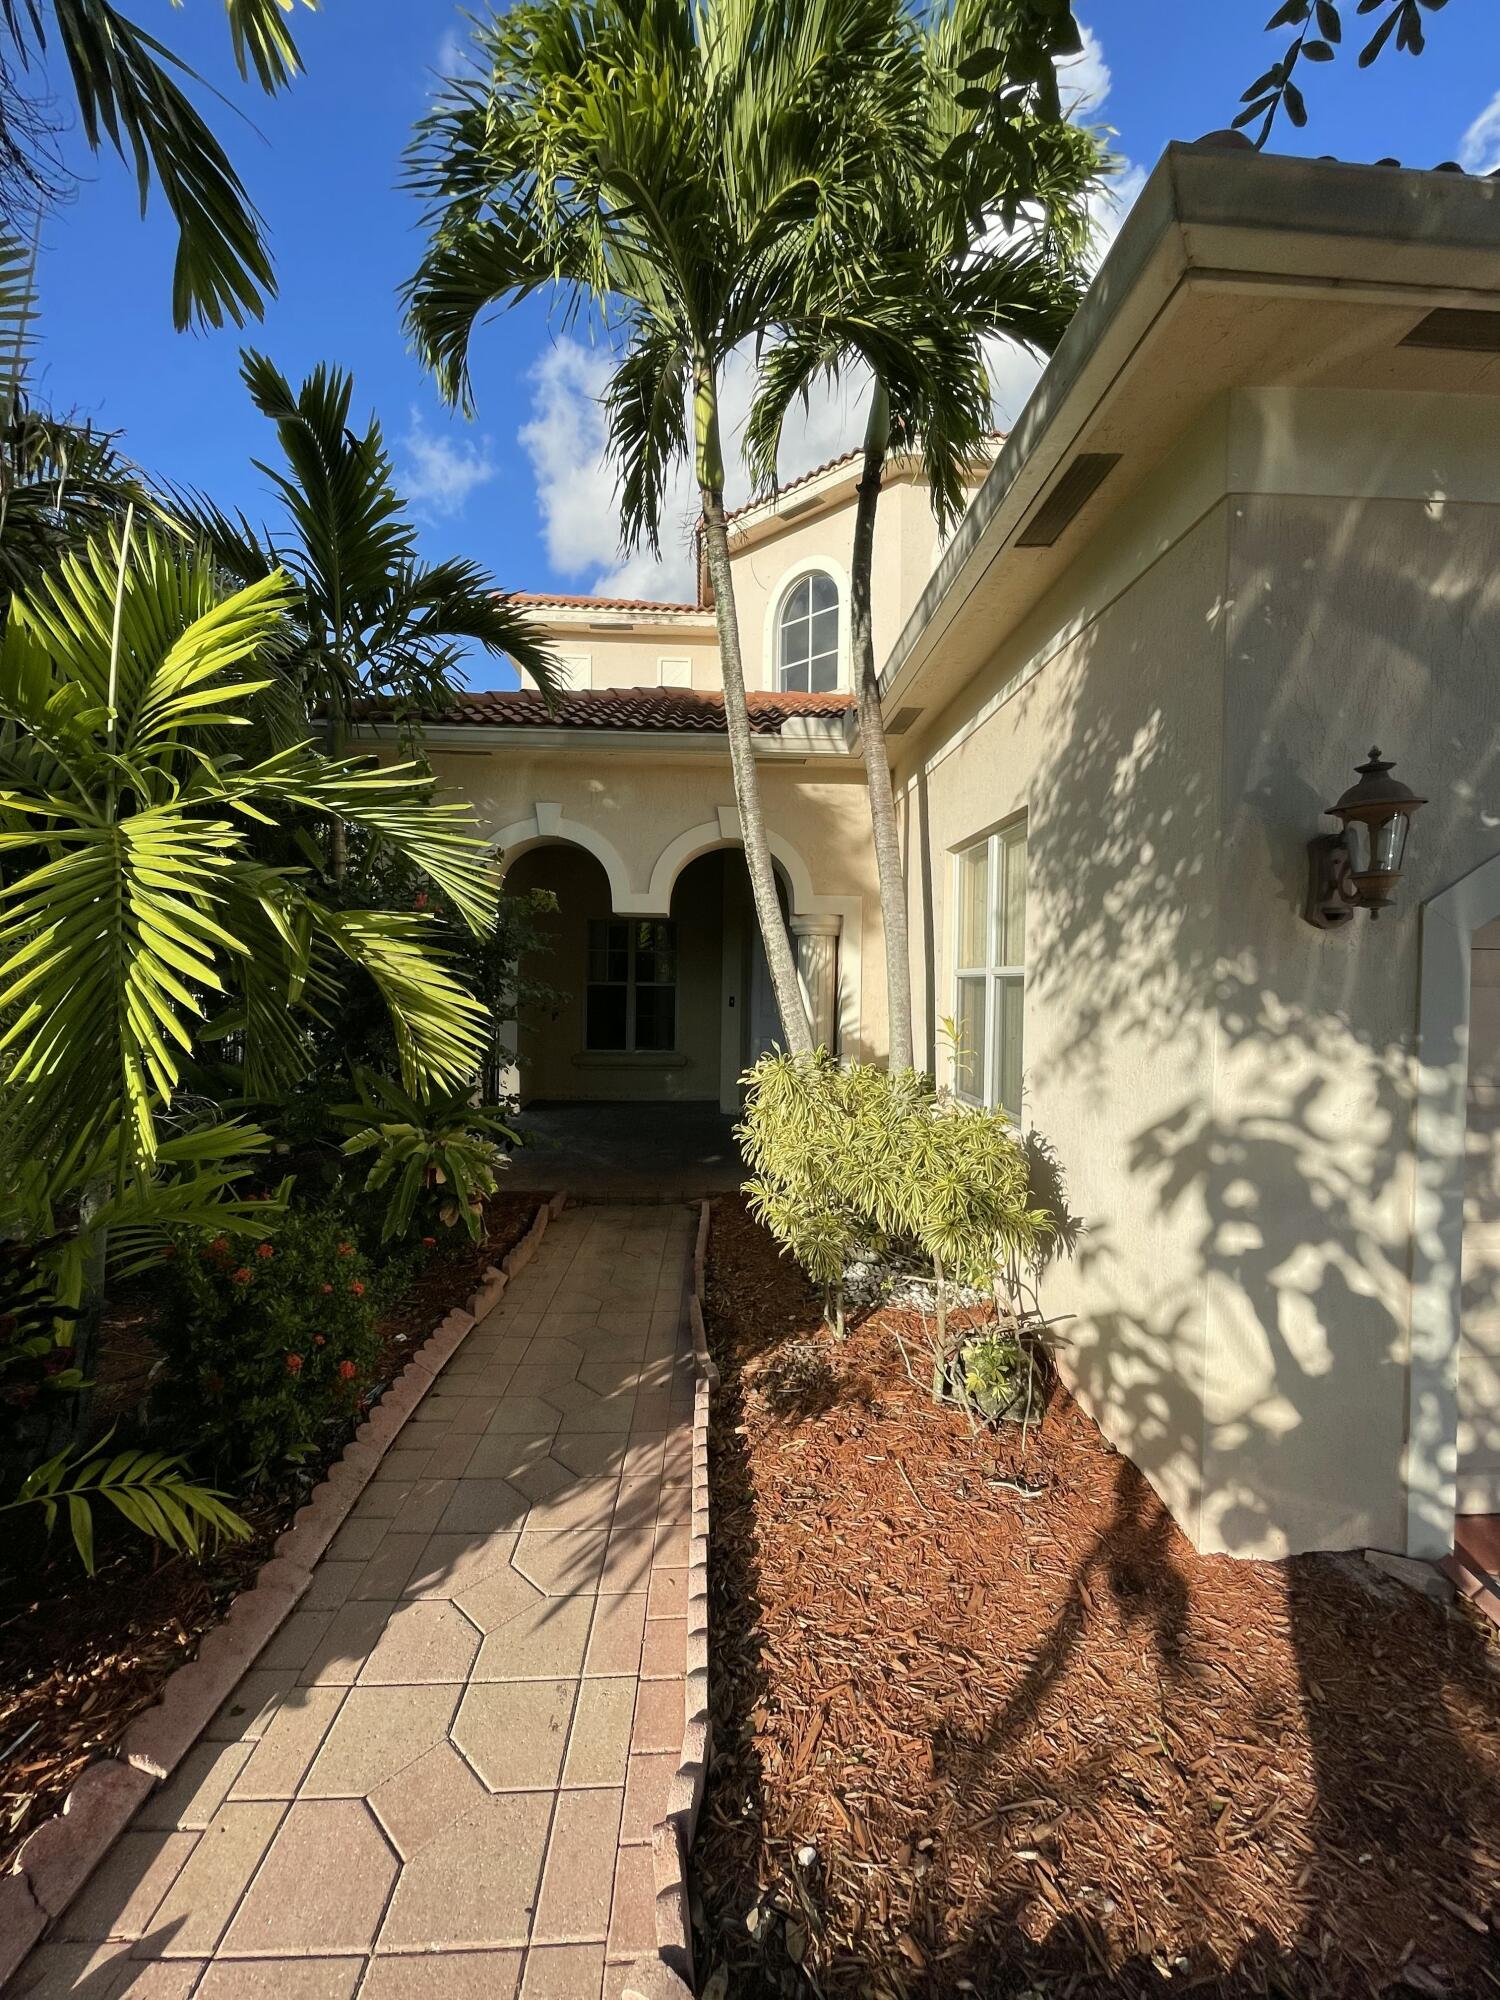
[
  {"x": 264, "y": 1250},
  {"x": 358, "y": 1289},
  {"x": 346, "y": 1249},
  {"x": 325, "y": 1289},
  {"x": 294, "y": 1364},
  {"x": 243, "y": 1276},
  {"x": 429, "y": 1242},
  {"x": 347, "y": 1371},
  {"x": 318, "y": 1340}
]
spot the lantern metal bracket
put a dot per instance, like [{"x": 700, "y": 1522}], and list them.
[{"x": 1332, "y": 896}]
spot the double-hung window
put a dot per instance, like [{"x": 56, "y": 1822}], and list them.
[
  {"x": 991, "y": 965},
  {"x": 631, "y": 1003}
]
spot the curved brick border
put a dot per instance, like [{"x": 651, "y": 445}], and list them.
[
  {"x": 57, "y": 1858},
  {"x": 669, "y": 1975}
]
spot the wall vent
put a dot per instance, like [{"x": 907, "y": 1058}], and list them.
[
  {"x": 901, "y": 721},
  {"x": 1466, "y": 330},
  {"x": 1078, "y": 484}
]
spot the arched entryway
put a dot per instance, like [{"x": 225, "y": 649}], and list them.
[{"x": 667, "y": 1007}]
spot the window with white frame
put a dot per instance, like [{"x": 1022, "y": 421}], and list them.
[
  {"x": 631, "y": 1001},
  {"x": 807, "y": 636},
  {"x": 990, "y": 955}
]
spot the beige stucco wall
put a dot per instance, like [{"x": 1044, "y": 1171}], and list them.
[
  {"x": 906, "y": 550},
  {"x": 1479, "y": 1352},
  {"x": 1111, "y": 750},
  {"x": 1230, "y": 1090},
  {"x": 605, "y": 659}
]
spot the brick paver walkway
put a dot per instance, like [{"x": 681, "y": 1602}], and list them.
[{"x": 439, "y": 1780}]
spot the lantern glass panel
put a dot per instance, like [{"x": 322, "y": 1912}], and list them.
[{"x": 1388, "y": 843}]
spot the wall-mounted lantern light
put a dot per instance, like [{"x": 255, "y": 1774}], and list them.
[{"x": 1358, "y": 868}]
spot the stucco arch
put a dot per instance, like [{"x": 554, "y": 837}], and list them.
[
  {"x": 546, "y": 825},
  {"x": 724, "y": 831},
  {"x": 1449, "y": 922}
]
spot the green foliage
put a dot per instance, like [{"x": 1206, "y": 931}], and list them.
[
  {"x": 369, "y": 619},
  {"x": 124, "y": 82},
  {"x": 123, "y": 681},
  {"x": 35, "y": 1330},
  {"x": 1319, "y": 26},
  {"x": 847, "y": 1157},
  {"x": 436, "y": 1152},
  {"x": 994, "y": 1374},
  {"x": 269, "y": 1350},
  {"x": 150, "y": 1489}
]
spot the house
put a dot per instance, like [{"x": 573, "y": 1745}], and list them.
[{"x": 1247, "y": 526}]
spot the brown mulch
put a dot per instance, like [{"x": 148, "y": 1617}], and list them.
[
  {"x": 969, "y": 1742},
  {"x": 80, "y": 1657}
]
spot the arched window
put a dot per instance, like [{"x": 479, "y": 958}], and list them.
[{"x": 807, "y": 636}]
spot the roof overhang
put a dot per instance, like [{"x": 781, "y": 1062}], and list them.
[{"x": 1233, "y": 269}]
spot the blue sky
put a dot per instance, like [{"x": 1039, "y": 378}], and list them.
[{"x": 521, "y": 488}]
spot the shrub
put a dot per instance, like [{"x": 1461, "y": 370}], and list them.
[
  {"x": 269, "y": 1349},
  {"x": 852, "y": 1159}
]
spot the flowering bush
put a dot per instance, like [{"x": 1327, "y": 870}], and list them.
[{"x": 265, "y": 1358}]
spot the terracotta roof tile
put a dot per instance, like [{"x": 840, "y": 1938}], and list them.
[
  {"x": 670, "y": 709},
  {"x": 563, "y": 599}
]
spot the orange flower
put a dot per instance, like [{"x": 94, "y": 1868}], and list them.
[
  {"x": 264, "y": 1250},
  {"x": 346, "y": 1249},
  {"x": 319, "y": 1341},
  {"x": 347, "y": 1371},
  {"x": 429, "y": 1242},
  {"x": 242, "y": 1276},
  {"x": 294, "y": 1364},
  {"x": 358, "y": 1289}
]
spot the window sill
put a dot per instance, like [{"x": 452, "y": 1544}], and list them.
[{"x": 629, "y": 1059}]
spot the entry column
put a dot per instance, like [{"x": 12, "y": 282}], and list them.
[{"x": 817, "y": 942}]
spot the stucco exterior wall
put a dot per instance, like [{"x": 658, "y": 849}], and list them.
[
  {"x": 1232, "y": 1092},
  {"x": 1107, "y": 738},
  {"x": 1352, "y": 620}
]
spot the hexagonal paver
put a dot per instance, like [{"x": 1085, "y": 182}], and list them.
[
  {"x": 546, "y": 1641},
  {"x": 425, "y": 1799},
  {"x": 483, "y": 1507},
  {"x": 499, "y": 1598},
  {"x": 514, "y": 1733},
  {"x": 452, "y": 1562},
  {"x": 423, "y": 1641},
  {"x": 322, "y": 1886},
  {"x": 379, "y": 1731},
  {"x": 474, "y": 1885},
  {"x": 560, "y": 1563}
]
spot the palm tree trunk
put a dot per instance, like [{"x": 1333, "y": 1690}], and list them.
[
  {"x": 872, "y": 737},
  {"x": 779, "y": 957}
]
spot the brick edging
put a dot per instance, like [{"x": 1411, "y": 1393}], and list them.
[
  {"x": 57, "y": 1858},
  {"x": 669, "y": 1974}
]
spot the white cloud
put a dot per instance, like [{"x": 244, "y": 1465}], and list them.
[
  {"x": 1085, "y": 78},
  {"x": 566, "y": 441},
  {"x": 1480, "y": 151},
  {"x": 437, "y": 472}
]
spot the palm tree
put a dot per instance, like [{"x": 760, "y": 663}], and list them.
[
  {"x": 125, "y": 84},
  {"x": 137, "y": 916},
  {"x": 371, "y": 622},
  {"x": 938, "y": 277},
  {"x": 667, "y": 166}
]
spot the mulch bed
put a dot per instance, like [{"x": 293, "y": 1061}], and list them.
[
  {"x": 967, "y": 1742},
  {"x": 79, "y": 1659}
]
